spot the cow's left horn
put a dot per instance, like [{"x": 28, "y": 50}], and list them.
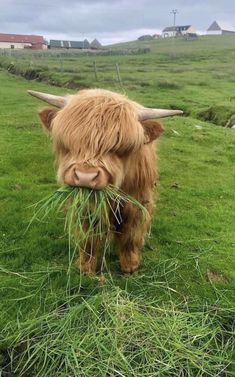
[
  {"x": 57, "y": 101},
  {"x": 146, "y": 113}
]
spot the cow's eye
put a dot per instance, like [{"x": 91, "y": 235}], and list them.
[
  {"x": 65, "y": 149},
  {"x": 123, "y": 152}
]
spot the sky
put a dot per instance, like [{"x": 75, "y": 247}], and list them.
[{"x": 110, "y": 21}]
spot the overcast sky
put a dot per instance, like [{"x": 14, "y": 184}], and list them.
[{"x": 109, "y": 21}]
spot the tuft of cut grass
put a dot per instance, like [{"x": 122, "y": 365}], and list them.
[
  {"x": 114, "y": 334},
  {"x": 87, "y": 212},
  {"x": 86, "y": 206}
]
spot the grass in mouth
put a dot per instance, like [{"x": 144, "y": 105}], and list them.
[
  {"x": 84, "y": 205},
  {"x": 87, "y": 212}
]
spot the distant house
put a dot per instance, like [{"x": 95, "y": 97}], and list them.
[
  {"x": 190, "y": 36},
  {"x": 95, "y": 45},
  {"x": 20, "y": 41},
  {"x": 57, "y": 43},
  {"x": 218, "y": 29},
  {"x": 156, "y": 36},
  {"x": 176, "y": 31},
  {"x": 146, "y": 37}
]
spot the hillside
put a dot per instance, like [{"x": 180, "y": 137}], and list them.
[
  {"x": 205, "y": 44},
  {"x": 196, "y": 76}
]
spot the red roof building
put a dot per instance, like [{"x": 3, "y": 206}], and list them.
[{"x": 21, "y": 41}]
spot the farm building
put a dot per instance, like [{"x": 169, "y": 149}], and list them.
[
  {"x": 54, "y": 43},
  {"x": 190, "y": 36},
  {"x": 149, "y": 37},
  {"x": 156, "y": 36},
  {"x": 19, "y": 41},
  {"x": 95, "y": 45},
  {"x": 146, "y": 37},
  {"x": 218, "y": 29},
  {"x": 176, "y": 31}
]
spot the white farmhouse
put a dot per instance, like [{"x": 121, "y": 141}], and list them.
[{"x": 176, "y": 31}]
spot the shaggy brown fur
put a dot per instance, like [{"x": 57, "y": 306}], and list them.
[{"x": 99, "y": 129}]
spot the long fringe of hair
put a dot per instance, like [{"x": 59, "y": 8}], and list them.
[{"x": 96, "y": 122}]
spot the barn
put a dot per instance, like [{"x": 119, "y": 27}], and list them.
[
  {"x": 57, "y": 43},
  {"x": 21, "y": 41},
  {"x": 176, "y": 31},
  {"x": 95, "y": 45},
  {"x": 219, "y": 29}
]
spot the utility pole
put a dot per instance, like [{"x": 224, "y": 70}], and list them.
[{"x": 174, "y": 12}]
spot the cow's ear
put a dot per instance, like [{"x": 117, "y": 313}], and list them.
[
  {"x": 152, "y": 129},
  {"x": 47, "y": 114}
]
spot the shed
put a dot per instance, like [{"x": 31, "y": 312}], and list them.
[
  {"x": 95, "y": 44},
  {"x": 219, "y": 29},
  {"x": 146, "y": 37},
  {"x": 54, "y": 43}
]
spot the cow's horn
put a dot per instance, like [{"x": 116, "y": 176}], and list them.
[
  {"x": 57, "y": 101},
  {"x": 146, "y": 113}
]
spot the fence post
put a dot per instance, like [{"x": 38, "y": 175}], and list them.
[
  {"x": 95, "y": 71},
  {"x": 61, "y": 65},
  {"x": 118, "y": 74}
]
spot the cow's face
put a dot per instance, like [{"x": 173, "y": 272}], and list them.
[{"x": 95, "y": 136}]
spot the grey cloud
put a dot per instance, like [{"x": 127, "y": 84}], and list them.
[{"x": 102, "y": 18}]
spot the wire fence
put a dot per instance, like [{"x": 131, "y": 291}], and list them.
[
  {"x": 133, "y": 69},
  {"x": 25, "y": 53}
]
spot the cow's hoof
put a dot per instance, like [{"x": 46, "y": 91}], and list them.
[
  {"x": 129, "y": 262},
  {"x": 129, "y": 269},
  {"x": 86, "y": 268}
]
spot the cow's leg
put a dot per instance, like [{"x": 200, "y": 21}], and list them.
[
  {"x": 130, "y": 237},
  {"x": 87, "y": 259},
  {"x": 129, "y": 258}
]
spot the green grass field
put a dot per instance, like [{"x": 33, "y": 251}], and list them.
[{"x": 175, "y": 317}]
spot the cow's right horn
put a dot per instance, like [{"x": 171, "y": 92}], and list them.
[
  {"x": 146, "y": 113},
  {"x": 52, "y": 99}
]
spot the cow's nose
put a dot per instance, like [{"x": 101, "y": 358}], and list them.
[{"x": 86, "y": 179}]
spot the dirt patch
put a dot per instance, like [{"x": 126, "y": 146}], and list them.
[
  {"x": 216, "y": 277},
  {"x": 168, "y": 84}
]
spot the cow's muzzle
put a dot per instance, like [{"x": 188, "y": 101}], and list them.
[
  {"x": 86, "y": 179},
  {"x": 86, "y": 176}
]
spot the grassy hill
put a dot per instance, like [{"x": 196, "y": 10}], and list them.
[
  {"x": 196, "y": 76},
  {"x": 176, "y": 315}
]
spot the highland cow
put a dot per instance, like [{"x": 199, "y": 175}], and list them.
[{"x": 102, "y": 138}]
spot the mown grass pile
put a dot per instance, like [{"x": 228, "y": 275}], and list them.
[
  {"x": 115, "y": 334},
  {"x": 112, "y": 332}
]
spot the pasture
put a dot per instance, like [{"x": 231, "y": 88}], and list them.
[{"x": 175, "y": 316}]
